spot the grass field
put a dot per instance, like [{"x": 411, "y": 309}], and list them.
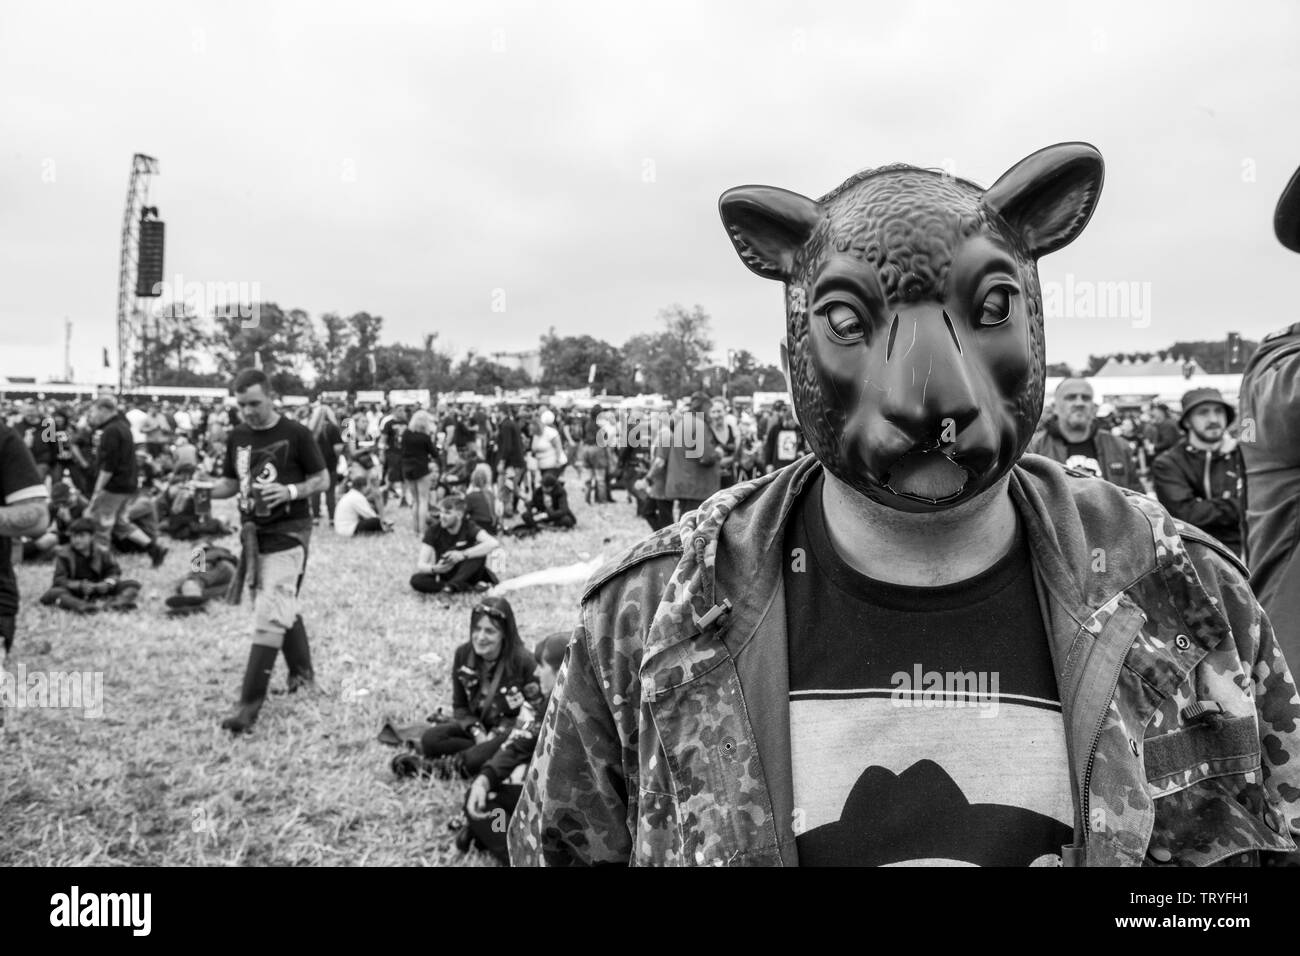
[{"x": 156, "y": 781}]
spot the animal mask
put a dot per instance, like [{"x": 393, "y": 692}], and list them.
[
  {"x": 1286, "y": 220},
  {"x": 914, "y": 321}
]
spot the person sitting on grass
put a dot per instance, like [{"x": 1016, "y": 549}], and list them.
[
  {"x": 481, "y": 501},
  {"x": 66, "y": 506},
  {"x": 495, "y": 791},
  {"x": 86, "y": 573},
  {"x": 354, "y": 514},
  {"x": 453, "y": 555},
  {"x": 549, "y": 507},
  {"x": 208, "y": 580},
  {"x": 488, "y": 674}
]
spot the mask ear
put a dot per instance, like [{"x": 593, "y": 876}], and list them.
[
  {"x": 1048, "y": 197},
  {"x": 768, "y": 226},
  {"x": 1286, "y": 221}
]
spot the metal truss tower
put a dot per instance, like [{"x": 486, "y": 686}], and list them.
[{"x": 131, "y": 315}]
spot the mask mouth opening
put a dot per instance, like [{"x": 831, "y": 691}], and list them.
[{"x": 927, "y": 475}]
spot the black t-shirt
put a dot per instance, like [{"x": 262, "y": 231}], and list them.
[
  {"x": 286, "y": 453},
  {"x": 1083, "y": 456},
  {"x": 115, "y": 453},
  {"x": 925, "y": 723},
  {"x": 19, "y": 481},
  {"x": 329, "y": 436},
  {"x": 417, "y": 450},
  {"x": 442, "y": 540},
  {"x": 39, "y": 439},
  {"x": 392, "y": 433},
  {"x": 783, "y": 445}
]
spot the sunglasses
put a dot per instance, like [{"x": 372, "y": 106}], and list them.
[{"x": 490, "y": 611}]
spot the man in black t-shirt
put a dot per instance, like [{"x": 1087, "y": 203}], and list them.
[
  {"x": 274, "y": 465},
  {"x": 453, "y": 554},
  {"x": 117, "y": 481},
  {"x": 23, "y": 511}
]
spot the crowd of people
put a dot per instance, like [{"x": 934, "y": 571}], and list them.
[
  {"x": 1191, "y": 464},
  {"x": 121, "y": 476}
]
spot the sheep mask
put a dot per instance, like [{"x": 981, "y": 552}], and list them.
[{"x": 914, "y": 320}]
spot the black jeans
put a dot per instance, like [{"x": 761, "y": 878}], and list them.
[
  {"x": 328, "y": 495},
  {"x": 369, "y": 526},
  {"x": 442, "y": 740},
  {"x": 460, "y": 577}
]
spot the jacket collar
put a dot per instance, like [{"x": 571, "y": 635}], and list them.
[{"x": 1088, "y": 538}]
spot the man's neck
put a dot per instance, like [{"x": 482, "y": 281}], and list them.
[
  {"x": 919, "y": 550},
  {"x": 270, "y": 423},
  {"x": 1200, "y": 443},
  {"x": 1075, "y": 434}
]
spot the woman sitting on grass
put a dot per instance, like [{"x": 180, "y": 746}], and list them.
[
  {"x": 481, "y": 500},
  {"x": 496, "y": 790},
  {"x": 488, "y": 675}
]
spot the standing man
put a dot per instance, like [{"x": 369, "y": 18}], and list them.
[
  {"x": 693, "y": 471},
  {"x": 37, "y": 433},
  {"x": 783, "y": 444},
  {"x": 1270, "y": 446},
  {"x": 1161, "y": 433},
  {"x": 511, "y": 463},
  {"x": 24, "y": 511},
  {"x": 116, "y": 481},
  {"x": 905, "y": 648},
  {"x": 1075, "y": 439},
  {"x": 275, "y": 466},
  {"x": 1199, "y": 480}
]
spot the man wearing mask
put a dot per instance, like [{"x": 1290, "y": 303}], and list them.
[
  {"x": 1199, "y": 480},
  {"x": 799, "y": 672},
  {"x": 1270, "y": 447},
  {"x": 1074, "y": 438}
]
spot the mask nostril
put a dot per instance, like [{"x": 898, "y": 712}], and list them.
[
  {"x": 893, "y": 334},
  {"x": 951, "y": 331}
]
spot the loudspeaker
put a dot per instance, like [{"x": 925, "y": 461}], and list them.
[{"x": 149, "y": 270}]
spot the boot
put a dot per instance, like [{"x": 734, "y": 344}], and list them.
[
  {"x": 261, "y": 661},
  {"x": 297, "y": 655},
  {"x": 156, "y": 553}
]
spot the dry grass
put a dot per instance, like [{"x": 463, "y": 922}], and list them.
[{"x": 156, "y": 781}]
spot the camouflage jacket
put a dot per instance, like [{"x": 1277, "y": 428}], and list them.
[{"x": 667, "y": 740}]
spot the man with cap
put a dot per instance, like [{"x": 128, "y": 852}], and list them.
[
  {"x": 1200, "y": 480},
  {"x": 1270, "y": 447},
  {"x": 1076, "y": 439},
  {"x": 791, "y": 675},
  {"x": 85, "y": 573}
]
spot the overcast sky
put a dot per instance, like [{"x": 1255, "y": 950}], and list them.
[{"x": 410, "y": 159}]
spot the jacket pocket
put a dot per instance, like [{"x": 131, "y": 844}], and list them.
[
  {"x": 1210, "y": 806},
  {"x": 658, "y": 832}
]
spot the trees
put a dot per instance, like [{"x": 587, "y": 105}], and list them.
[
  {"x": 331, "y": 350},
  {"x": 279, "y": 341},
  {"x": 567, "y": 361}
]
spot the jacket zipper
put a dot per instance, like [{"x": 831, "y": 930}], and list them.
[{"x": 1092, "y": 757}]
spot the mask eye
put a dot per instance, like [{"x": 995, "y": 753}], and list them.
[
  {"x": 844, "y": 321},
  {"x": 997, "y": 306}
]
